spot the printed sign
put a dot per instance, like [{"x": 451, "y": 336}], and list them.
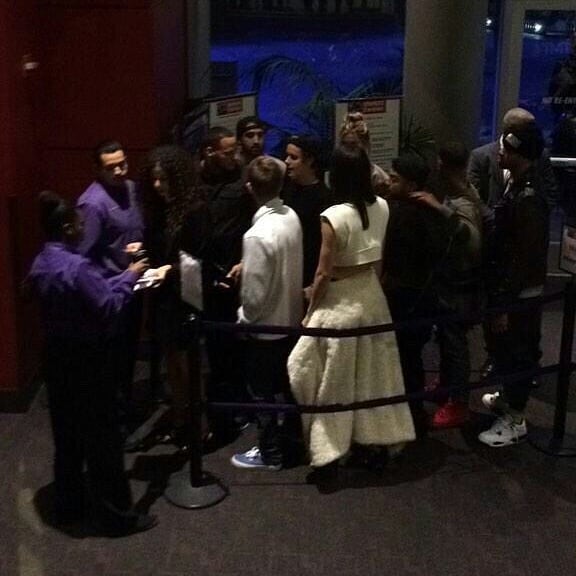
[
  {"x": 382, "y": 115},
  {"x": 568, "y": 250},
  {"x": 226, "y": 111}
]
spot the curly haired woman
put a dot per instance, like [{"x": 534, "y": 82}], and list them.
[{"x": 176, "y": 218}]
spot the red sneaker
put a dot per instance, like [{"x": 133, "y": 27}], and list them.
[{"x": 451, "y": 415}]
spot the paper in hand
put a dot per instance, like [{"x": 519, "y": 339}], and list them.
[{"x": 191, "y": 280}]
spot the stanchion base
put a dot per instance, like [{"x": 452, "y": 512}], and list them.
[
  {"x": 180, "y": 491},
  {"x": 544, "y": 441}
]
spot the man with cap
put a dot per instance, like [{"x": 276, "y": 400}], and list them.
[
  {"x": 490, "y": 179},
  {"x": 517, "y": 270},
  {"x": 250, "y": 132}
]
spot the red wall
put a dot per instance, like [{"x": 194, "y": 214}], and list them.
[
  {"x": 19, "y": 152},
  {"x": 102, "y": 80}
]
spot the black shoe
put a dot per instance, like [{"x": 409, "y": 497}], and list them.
[
  {"x": 373, "y": 458},
  {"x": 130, "y": 524},
  {"x": 69, "y": 517},
  {"x": 325, "y": 478}
]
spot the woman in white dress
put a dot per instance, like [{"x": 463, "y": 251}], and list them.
[{"x": 346, "y": 293}]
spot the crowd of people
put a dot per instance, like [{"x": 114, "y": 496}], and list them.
[{"x": 278, "y": 244}]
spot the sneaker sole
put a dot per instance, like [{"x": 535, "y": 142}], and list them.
[
  {"x": 245, "y": 466},
  {"x": 514, "y": 442}
]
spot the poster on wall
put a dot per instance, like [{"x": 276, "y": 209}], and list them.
[
  {"x": 227, "y": 110},
  {"x": 568, "y": 249},
  {"x": 383, "y": 118}
]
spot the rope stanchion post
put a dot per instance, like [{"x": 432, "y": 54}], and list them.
[
  {"x": 557, "y": 442},
  {"x": 193, "y": 488}
]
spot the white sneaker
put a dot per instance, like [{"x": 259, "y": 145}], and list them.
[
  {"x": 495, "y": 403},
  {"x": 504, "y": 432}
]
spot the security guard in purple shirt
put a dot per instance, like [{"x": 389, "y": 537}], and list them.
[
  {"x": 80, "y": 312},
  {"x": 113, "y": 231},
  {"x": 110, "y": 210}
]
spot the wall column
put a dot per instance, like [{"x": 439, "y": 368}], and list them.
[
  {"x": 198, "y": 48},
  {"x": 444, "y": 65}
]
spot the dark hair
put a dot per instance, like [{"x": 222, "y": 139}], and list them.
[
  {"x": 311, "y": 147},
  {"x": 454, "y": 155},
  {"x": 212, "y": 139},
  {"x": 351, "y": 179},
  {"x": 412, "y": 167},
  {"x": 55, "y": 213},
  {"x": 249, "y": 123},
  {"x": 105, "y": 147},
  {"x": 266, "y": 176},
  {"x": 182, "y": 179}
]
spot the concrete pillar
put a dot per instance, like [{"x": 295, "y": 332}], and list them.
[
  {"x": 198, "y": 14},
  {"x": 444, "y": 65}
]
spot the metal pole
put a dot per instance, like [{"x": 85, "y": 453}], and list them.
[
  {"x": 195, "y": 440},
  {"x": 565, "y": 369},
  {"x": 194, "y": 488},
  {"x": 558, "y": 443}
]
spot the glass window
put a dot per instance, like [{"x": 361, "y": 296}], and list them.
[{"x": 301, "y": 56}]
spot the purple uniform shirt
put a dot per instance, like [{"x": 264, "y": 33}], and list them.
[
  {"x": 78, "y": 303},
  {"x": 112, "y": 219}
]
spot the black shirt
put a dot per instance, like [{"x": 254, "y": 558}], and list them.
[{"x": 308, "y": 202}]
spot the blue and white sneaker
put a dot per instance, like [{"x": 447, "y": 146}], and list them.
[{"x": 252, "y": 459}]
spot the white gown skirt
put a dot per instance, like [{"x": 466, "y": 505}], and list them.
[{"x": 344, "y": 370}]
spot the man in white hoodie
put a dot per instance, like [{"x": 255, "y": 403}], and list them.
[{"x": 271, "y": 294}]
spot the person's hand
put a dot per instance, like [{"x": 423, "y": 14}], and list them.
[
  {"x": 500, "y": 324},
  {"x": 140, "y": 266},
  {"x": 307, "y": 293},
  {"x": 426, "y": 198},
  {"x": 235, "y": 272},
  {"x": 232, "y": 278},
  {"x": 160, "y": 274},
  {"x": 133, "y": 247}
]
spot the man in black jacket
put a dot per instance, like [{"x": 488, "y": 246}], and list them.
[
  {"x": 307, "y": 195},
  {"x": 231, "y": 209},
  {"x": 418, "y": 241},
  {"x": 517, "y": 271}
]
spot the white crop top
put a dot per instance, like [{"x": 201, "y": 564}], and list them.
[{"x": 355, "y": 246}]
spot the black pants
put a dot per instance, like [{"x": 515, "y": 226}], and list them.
[
  {"x": 516, "y": 350},
  {"x": 226, "y": 356},
  {"x": 453, "y": 337},
  {"x": 408, "y": 304},
  {"x": 267, "y": 380},
  {"x": 126, "y": 347},
  {"x": 83, "y": 403}
]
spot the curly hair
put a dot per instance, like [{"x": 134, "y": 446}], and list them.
[{"x": 184, "y": 192}]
